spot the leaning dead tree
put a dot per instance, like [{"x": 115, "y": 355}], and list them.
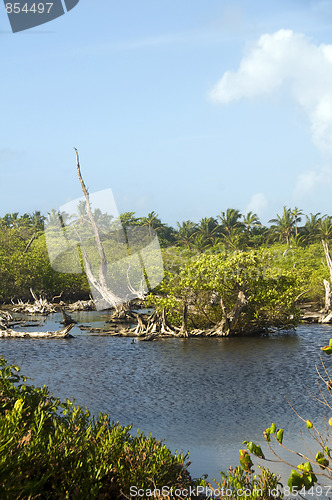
[{"x": 100, "y": 282}]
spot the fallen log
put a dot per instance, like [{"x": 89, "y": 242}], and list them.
[{"x": 63, "y": 333}]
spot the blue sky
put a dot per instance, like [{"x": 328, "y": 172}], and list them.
[{"x": 181, "y": 107}]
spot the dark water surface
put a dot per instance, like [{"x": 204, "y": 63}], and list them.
[{"x": 201, "y": 395}]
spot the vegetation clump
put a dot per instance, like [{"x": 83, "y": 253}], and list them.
[{"x": 52, "y": 449}]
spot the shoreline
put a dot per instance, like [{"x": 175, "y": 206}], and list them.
[{"x": 126, "y": 326}]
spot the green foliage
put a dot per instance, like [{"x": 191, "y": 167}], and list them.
[
  {"x": 53, "y": 449},
  {"x": 22, "y": 269},
  {"x": 200, "y": 281},
  {"x": 303, "y": 476},
  {"x": 240, "y": 483},
  {"x": 24, "y": 260},
  {"x": 254, "y": 449},
  {"x": 327, "y": 349}
]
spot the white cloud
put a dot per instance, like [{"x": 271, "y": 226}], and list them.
[
  {"x": 312, "y": 180},
  {"x": 258, "y": 204},
  {"x": 290, "y": 59}
]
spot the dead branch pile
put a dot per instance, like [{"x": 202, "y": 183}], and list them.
[
  {"x": 40, "y": 305},
  {"x": 5, "y": 318}
]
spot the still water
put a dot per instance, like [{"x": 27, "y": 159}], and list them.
[{"x": 201, "y": 395}]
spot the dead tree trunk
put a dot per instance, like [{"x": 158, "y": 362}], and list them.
[
  {"x": 327, "y": 306},
  {"x": 101, "y": 283},
  {"x": 156, "y": 326},
  {"x": 327, "y": 285},
  {"x": 184, "y": 327},
  {"x": 66, "y": 318},
  {"x": 225, "y": 327}
]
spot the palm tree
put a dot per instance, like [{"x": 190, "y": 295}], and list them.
[
  {"x": 206, "y": 229},
  {"x": 186, "y": 232},
  {"x": 24, "y": 220},
  {"x": 296, "y": 212},
  {"x": 37, "y": 221},
  {"x": 55, "y": 217},
  {"x": 103, "y": 220},
  {"x": 325, "y": 228},
  {"x": 82, "y": 214},
  {"x": 10, "y": 220},
  {"x": 200, "y": 242},
  {"x": 128, "y": 219},
  {"x": 230, "y": 220},
  {"x": 234, "y": 239},
  {"x": 250, "y": 220},
  {"x": 151, "y": 221},
  {"x": 311, "y": 226},
  {"x": 283, "y": 224}
]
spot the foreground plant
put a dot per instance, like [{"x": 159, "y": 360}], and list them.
[
  {"x": 239, "y": 483},
  {"x": 53, "y": 449},
  {"x": 315, "y": 465}
]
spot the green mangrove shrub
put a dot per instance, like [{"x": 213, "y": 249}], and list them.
[{"x": 53, "y": 449}]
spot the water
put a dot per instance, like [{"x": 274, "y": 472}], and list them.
[{"x": 201, "y": 395}]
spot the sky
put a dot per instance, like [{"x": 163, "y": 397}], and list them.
[{"x": 185, "y": 108}]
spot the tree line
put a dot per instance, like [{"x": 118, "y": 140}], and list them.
[{"x": 231, "y": 228}]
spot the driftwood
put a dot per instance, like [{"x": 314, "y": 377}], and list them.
[
  {"x": 40, "y": 306},
  {"x": 82, "y": 305},
  {"x": 66, "y": 318},
  {"x": 5, "y": 318},
  {"x": 59, "y": 334},
  {"x": 156, "y": 326},
  {"x": 123, "y": 313}
]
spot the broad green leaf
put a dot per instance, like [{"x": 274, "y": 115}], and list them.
[
  {"x": 295, "y": 481},
  {"x": 267, "y": 433},
  {"x": 280, "y": 435},
  {"x": 307, "y": 467},
  {"x": 320, "y": 458},
  {"x": 255, "y": 449},
  {"x": 273, "y": 428},
  {"x": 245, "y": 460},
  {"x": 327, "y": 349}
]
